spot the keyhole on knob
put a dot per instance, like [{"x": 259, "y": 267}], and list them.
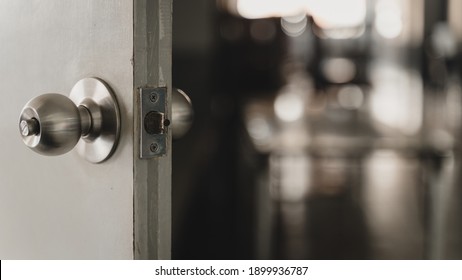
[{"x": 30, "y": 127}]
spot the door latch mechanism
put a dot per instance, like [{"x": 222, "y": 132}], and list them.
[{"x": 154, "y": 122}]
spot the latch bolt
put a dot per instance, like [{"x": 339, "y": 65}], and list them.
[{"x": 154, "y": 123}]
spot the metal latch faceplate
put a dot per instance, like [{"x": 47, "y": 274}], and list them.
[{"x": 154, "y": 122}]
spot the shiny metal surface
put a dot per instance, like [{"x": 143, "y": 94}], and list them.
[
  {"x": 52, "y": 124},
  {"x": 182, "y": 113},
  {"x": 59, "y": 122},
  {"x": 100, "y": 141},
  {"x": 153, "y": 132},
  {"x": 29, "y": 127}
]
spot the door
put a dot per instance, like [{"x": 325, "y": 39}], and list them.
[{"x": 65, "y": 207}]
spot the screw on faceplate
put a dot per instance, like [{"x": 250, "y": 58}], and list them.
[
  {"x": 153, "y": 97},
  {"x": 154, "y": 147}
]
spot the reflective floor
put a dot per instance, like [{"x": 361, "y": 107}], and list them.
[{"x": 386, "y": 205}]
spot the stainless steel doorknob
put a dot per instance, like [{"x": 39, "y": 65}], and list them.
[
  {"x": 53, "y": 124},
  {"x": 50, "y": 124},
  {"x": 182, "y": 113}
]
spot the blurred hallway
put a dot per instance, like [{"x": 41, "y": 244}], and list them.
[{"x": 323, "y": 129}]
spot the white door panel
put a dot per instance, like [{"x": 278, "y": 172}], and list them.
[{"x": 64, "y": 207}]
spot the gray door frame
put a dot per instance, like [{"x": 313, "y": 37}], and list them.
[{"x": 152, "y": 60}]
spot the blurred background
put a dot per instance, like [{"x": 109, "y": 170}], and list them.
[{"x": 324, "y": 129}]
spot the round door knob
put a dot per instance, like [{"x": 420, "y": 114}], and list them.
[
  {"x": 50, "y": 124},
  {"x": 53, "y": 124},
  {"x": 182, "y": 113}
]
